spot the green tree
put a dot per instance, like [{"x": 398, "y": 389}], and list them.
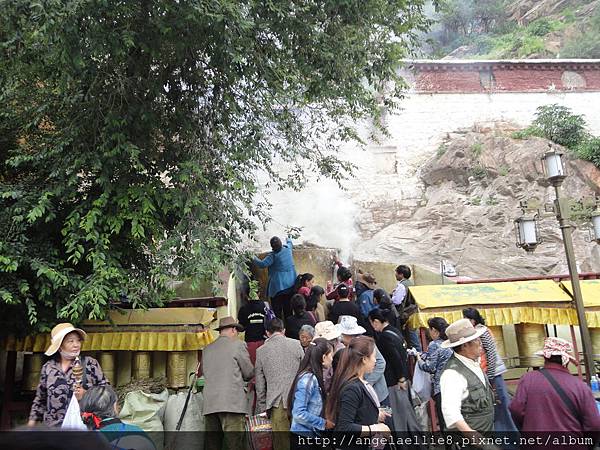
[
  {"x": 559, "y": 124},
  {"x": 132, "y": 134}
]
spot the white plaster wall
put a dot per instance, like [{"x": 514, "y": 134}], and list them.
[
  {"x": 386, "y": 183},
  {"x": 418, "y": 129}
]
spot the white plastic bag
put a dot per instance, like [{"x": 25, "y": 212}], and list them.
[
  {"x": 72, "y": 420},
  {"x": 422, "y": 384}
]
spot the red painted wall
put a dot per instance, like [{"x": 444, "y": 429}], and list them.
[{"x": 474, "y": 77}]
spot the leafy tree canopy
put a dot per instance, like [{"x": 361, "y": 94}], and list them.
[{"x": 132, "y": 133}]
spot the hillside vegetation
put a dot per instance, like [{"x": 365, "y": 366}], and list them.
[{"x": 504, "y": 29}]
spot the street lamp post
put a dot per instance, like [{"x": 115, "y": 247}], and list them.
[
  {"x": 567, "y": 232},
  {"x": 527, "y": 238}
]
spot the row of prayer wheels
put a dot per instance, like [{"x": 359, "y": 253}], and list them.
[
  {"x": 121, "y": 367},
  {"x": 142, "y": 365},
  {"x": 530, "y": 339}
]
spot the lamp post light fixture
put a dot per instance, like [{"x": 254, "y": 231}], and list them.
[
  {"x": 554, "y": 166},
  {"x": 596, "y": 226},
  {"x": 527, "y": 232},
  {"x": 555, "y": 171}
]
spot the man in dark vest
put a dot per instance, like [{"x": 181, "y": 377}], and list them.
[{"x": 467, "y": 397}]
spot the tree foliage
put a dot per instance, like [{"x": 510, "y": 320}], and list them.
[
  {"x": 586, "y": 43},
  {"x": 559, "y": 124},
  {"x": 461, "y": 19},
  {"x": 132, "y": 134}
]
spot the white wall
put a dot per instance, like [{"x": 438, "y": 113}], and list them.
[{"x": 386, "y": 184}]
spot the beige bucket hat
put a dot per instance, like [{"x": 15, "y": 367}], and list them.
[
  {"x": 58, "y": 334},
  {"x": 461, "y": 332},
  {"x": 327, "y": 330}
]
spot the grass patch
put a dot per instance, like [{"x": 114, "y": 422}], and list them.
[
  {"x": 476, "y": 201},
  {"x": 503, "y": 171},
  {"x": 478, "y": 172},
  {"x": 542, "y": 27},
  {"x": 477, "y": 148},
  {"x": 441, "y": 150},
  {"x": 526, "y": 133},
  {"x": 491, "y": 201}
]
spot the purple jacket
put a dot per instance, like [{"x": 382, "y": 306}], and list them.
[{"x": 536, "y": 407}]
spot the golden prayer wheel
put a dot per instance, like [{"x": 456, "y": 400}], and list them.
[
  {"x": 141, "y": 365},
  {"x": 499, "y": 338},
  {"x": 530, "y": 339},
  {"x": 176, "y": 369},
  {"x": 107, "y": 361},
  {"x": 595, "y": 335},
  {"x": 32, "y": 367}
]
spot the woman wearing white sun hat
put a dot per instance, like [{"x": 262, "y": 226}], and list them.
[{"x": 57, "y": 380}]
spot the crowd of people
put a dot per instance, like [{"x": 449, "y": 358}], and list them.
[
  {"x": 368, "y": 335},
  {"x": 322, "y": 362}
]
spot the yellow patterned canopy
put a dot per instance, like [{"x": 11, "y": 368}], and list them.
[
  {"x": 505, "y": 303},
  {"x": 157, "y": 329},
  {"x": 590, "y": 290}
]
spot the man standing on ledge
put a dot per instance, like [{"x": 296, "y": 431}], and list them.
[
  {"x": 226, "y": 366},
  {"x": 467, "y": 397},
  {"x": 400, "y": 300},
  {"x": 282, "y": 276}
]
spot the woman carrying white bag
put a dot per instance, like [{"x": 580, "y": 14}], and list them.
[
  {"x": 434, "y": 361},
  {"x": 66, "y": 376}
]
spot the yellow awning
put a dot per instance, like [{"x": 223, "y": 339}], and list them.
[
  {"x": 157, "y": 316},
  {"x": 537, "y": 301},
  {"x": 505, "y": 315},
  {"x": 489, "y": 294},
  {"x": 155, "y": 329},
  {"x": 130, "y": 341},
  {"x": 590, "y": 290}
]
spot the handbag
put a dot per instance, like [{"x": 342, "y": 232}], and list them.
[{"x": 259, "y": 431}]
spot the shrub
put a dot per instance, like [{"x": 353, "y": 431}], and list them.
[
  {"x": 477, "y": 148},
  {"x": 529, "y": 45},
  {"x": 441, "y": 150},
  {"x": 543, "y": 26},
  {"x": 527, "y": 133},
  {"x": 478, "y": 172},
  {"x": 559, "y": 124},
  {"x": 475, "y": 201},
  {"x": 491, "y": 201},
  {"x": 589, "y": 150},
  {"x": 568, "y": 15},
  {"x": 483, "y": 44},
  {"x": 583, "y": 45}
]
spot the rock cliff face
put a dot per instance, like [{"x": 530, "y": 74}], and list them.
[{"x": 473, "y": 186}]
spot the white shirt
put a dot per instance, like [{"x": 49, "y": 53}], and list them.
[
  {"x": 399, "y": 294},
  {"x": 454, "y": 389}
]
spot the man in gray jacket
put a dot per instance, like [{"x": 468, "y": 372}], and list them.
[
  {"x": 226, "y": 366},
  {"x": 277, "y": 362}
]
